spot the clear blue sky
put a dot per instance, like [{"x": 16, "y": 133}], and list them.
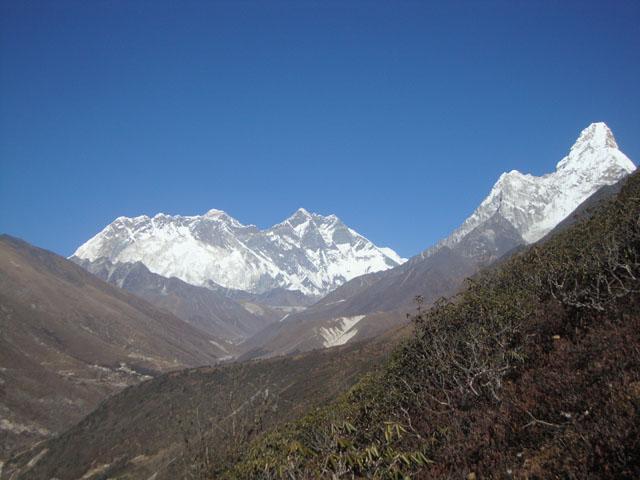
[{"x": 396, "y": 116}]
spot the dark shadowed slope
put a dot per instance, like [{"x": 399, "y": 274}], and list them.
[
  {"x": 206, "y": 309},
  {"x": 68, "y": 339}
]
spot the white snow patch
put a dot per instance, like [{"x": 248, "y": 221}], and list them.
[
  {"x": 37, "y": 458},
  {"x": 216, "y": 344},
  {"x": 95, "y": 471},
  {"x": 341, "y": 332},
  {"x": 253, "y": 308},
  {"x": 15, "y": 427}
]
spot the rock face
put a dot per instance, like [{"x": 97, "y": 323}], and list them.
[{"x": 307, "y": 252}]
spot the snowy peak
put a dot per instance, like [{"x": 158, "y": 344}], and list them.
[
  {"x": 595, "y": 136},
  {"x": 215, "y": 214},
  {"x": 535, "y": 205},
  {"x": 328, "y": 230},
  {"x": 223, "y": 217},
  {"x": 596, "y": 148},
  {"x": 300, "y": 214},
  {"x": 307, "y": 252},
  {"x": 301, "y": 221}
]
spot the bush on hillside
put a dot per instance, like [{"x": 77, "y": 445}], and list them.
[{"x": 532, "y": 370}]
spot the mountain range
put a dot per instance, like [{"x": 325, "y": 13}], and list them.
[
  {"x": 311, "y": 281},
  {"x": 73, "y": 341},
  {"x": 307, "y": 252}
]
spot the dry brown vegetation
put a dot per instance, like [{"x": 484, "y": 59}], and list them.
[
  {"x": 184, "y": 424},
  {"x": 532, "y": 372}
]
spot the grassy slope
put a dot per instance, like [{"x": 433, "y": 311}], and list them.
[{"x": 532, "y": 372}]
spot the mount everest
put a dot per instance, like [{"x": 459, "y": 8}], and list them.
[{"x": 307, "y": 252}]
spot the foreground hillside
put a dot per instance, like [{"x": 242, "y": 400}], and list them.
[
  {"x": 532, "y": 372},
  {"x": 182, "y": 424},
  {"x": 68, "y": 340}
]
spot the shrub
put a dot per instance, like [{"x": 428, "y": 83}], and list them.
[{"x": 531, "y": 370}]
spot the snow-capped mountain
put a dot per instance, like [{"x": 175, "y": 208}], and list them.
[
  {"x": 520, "y": 209},
  {"x": 307, "y": 252},
  {"x": 535, "y": 205}
]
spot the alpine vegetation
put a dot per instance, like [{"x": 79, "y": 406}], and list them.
[{"x": 533, "y": 368}]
